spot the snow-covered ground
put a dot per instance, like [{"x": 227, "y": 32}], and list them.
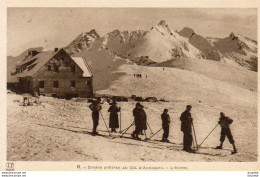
[{"x": 59, "y": 130}]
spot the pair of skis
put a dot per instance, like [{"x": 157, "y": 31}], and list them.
[
  {"x": 195, "y": 143},
  {"x": 125, "y": 130},
  {"x": 106, "y": 124}
]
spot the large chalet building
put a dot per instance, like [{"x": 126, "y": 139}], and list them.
[{"x": 54, "y": 73}]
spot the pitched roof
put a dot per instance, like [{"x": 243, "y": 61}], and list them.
[
  {"x": 41, "y": 59},
  {"x": 83, "y": 65},
  {"x": 12, "y": 79}
]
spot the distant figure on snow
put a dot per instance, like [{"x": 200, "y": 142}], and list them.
[
  {"x": 113, "y": 118},
  {"x": 186, "y": 123},
  {"x": 95, "y": 108},
  {"x": 225, "y": 131},
  {"x": 140, "y": 120},
  {"x": 165, "y": 125}
]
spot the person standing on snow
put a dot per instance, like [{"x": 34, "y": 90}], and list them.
[
  {"x": 95, "y": 108},
  {"x": 113, "y": 118},
  {"x": 165, "y": 125},
  {"x": 143, "y": 118},
  {"x": 225, "y": 131},
  {"x": 139, "y": 119},
  {"x": 186, "y": 123}
]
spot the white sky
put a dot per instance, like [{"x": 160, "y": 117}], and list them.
[{"x": 57, "y": 27}]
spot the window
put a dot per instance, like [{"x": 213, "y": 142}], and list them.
[
  {"x": 41, "y": 84},
  {"x": 31, "y": 67},
  {"x": 73, "y": 69},
  {"x": 88, "y": 82},
  {"x": 72, "y": 84},
  {"x": 49, "y": 67},
  {"x": 56, "y": 84},
  {"x": 56, "y": 68}
]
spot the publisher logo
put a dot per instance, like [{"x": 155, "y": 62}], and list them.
[{"x": 9, "y": 166}]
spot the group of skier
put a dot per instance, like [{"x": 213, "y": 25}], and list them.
[{"x": 140, "y": 122}]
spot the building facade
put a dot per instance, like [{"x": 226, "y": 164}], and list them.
[{"x": 56, "y": 74}]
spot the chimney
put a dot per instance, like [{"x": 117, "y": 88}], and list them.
[{"x": 56, "y": 49}]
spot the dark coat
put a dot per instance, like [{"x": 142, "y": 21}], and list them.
[
  {"x": 95, "y": 108},
  {"x": 165, "y": 120},
  {"x": 113, "y": 118},
  {"x": 140, "y": 118},
  {"x": 225, "y": 122},
  {"x": 186, "y": 121}
]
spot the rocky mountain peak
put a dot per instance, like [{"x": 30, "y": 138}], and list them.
[
  {"x": 93, "y": 33},
  {"x": 233, "y": 36},
  {"x": 162, "y": 23},
  {"x": 163, "y": 26}
]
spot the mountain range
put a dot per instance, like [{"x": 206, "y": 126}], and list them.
[{"x": 159, "y": 46}]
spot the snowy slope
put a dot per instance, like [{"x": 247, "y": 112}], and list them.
[
  {"x": 60, "y": 130},
  {"x": 120, "y": 42},
  {"x": 174, "y": 83},
  {"x": 102, "y": 64},
  {"x": 201, "y": 43},
  {"x": 236, "y": 47},
  {"x": 240, "y": 49},
  {"x": 220, "y": 70},
  {"x": 160, "y": 44}
]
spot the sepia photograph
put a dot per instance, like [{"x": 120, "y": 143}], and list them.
[{"x": 121, "y": 84}]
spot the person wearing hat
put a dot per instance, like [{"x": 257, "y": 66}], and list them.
[
  {"x": 186, "y": 123},
  {"x": 225, "y": 122},
  {"x": 113, "y": 118},
  {"x": 165, "y": 125},
  {"x": 137, "y": 113},
  {"x": 95, "y": 108}
]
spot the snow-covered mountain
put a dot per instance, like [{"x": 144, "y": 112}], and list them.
[
  {"x": 213, "y": 75},
  {"x": 82, "y": 42},
  {"x": 236, "y": 47},
  {"x": 201, "y": 43},
  {"x": 158, "y": 45},
  {"x": 239, "y": 48},
  {"x": 161, "y": 44}
]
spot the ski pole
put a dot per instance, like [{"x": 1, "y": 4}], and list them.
[
  {"x": 127, "y": 129},
  {"x": 105, "y": 123},
  {"x": 149, "y": 127},
  {"x": 155, "y": 133},
  {"x": 208, "y": 135},
  {"x": 120, "y": 120},
  {"x": 194, "y": 135},
  {"x": 145, "y": 135},
  {"x": 193, "y": 143}
]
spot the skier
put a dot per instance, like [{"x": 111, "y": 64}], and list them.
[
  {"x": 225, "y": 131},
  {"x": 140, "y": 120},
  {"x": 165, "y": 125},
  {"x": 113, "y": 119},
  {"x": 143, "y": 119},
  {"x": 95, "y": 108},
  {"x": 186, "y": 123}
]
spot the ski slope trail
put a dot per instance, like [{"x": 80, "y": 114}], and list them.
[{"x": 59, "y": 130}]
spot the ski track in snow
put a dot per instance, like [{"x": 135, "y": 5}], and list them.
[{"x": 60, "y": 130}]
